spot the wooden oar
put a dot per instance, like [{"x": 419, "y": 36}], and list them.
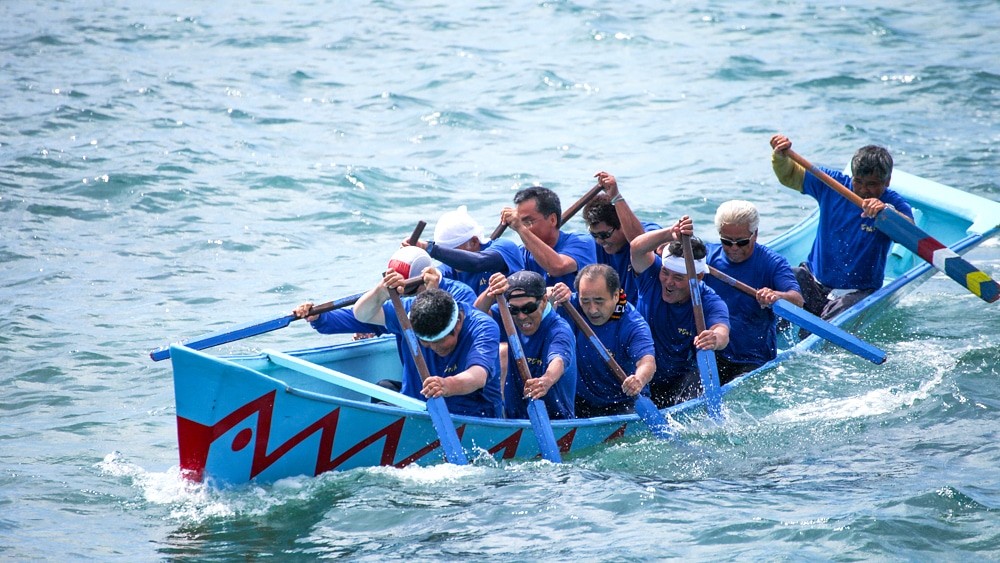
[
  {"x": 566, "y": 216},
  {"x": 706, "y": 358},
  {"x": 810, "y": 322},
  {"x": 438, "y": 409},
  {"x": 451, "y": 445},
  {"x": 537, "y": 413},
  {"x": 900, "y": 229},
  {"x": 260, "y": 327},
  {"x": 644, "y": 406}
]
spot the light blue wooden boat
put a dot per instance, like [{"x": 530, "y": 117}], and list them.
[{"x": 273, "y": 415}]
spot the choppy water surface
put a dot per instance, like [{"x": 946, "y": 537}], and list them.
[{"x": 168, "y": 170}]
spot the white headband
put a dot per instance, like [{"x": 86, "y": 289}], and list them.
[
  {"x": 677, "y": 264},
  {"x": 447, "y": 330}
]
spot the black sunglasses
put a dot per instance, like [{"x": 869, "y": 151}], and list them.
[
  {"x": 527, "y": 308},
  {"x": 603, "y": 235},
  {"x": 740, "y": 243}
]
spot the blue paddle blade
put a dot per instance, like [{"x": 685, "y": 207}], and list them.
[
  {"x": 653, "y": 418},
  {"x": 543, "y": 430},
  {"x": 450, "y": 443},
  {"x": 710, "y": 382},
  {"x": 946, "y": 260},
  {"x": 825, "y": 330}
]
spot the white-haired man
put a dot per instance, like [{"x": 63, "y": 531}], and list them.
[{"x": 753, "y": 324}]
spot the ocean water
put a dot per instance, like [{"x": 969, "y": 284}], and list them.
[{"x": 168, "y": 169}]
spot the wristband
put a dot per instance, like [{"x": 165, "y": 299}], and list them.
[{"x": 616, "y": 199}]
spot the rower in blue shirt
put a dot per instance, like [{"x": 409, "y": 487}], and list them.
[
  {"x": 547, "y": 250},
  {"x": 621, "y": 329}
]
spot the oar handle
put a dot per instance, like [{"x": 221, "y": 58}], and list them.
[
  {"x": 512, "y": 339},
  {"x": 601, "y": 348},
  {"x": 417, "y": 231},
  {"x": 692, "y": 277},
  {"x": 826, "y": 178},
  {"x": 566, "y": 216},
  {"x": 573, "y": 209},
  {"x": 731, "y": 281}
]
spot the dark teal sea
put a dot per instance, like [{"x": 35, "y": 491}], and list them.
[{"x": 172, "y": 168}]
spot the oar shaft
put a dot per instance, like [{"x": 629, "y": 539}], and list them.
[
  {"x": 809, "y": 321},
  {"x": 601, "y": 348},
  {"x": 417, "y": 231},
  {"x": 508, "y": 325},
  {"x": 692, "y": 277},
  {"x": 826, "y": 178},
  {"x": 451, "y": 445},
  {"x": 729, "y": 280},
  {"x": 707, "y": 367},
  {"x": 644, "y": 406},
  {"x": 537, "y": 412}
]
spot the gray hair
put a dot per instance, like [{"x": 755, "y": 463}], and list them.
[
  {"x": 872, "y": 159},
  {"x": 599, "y": 272},
  {"x": 737, "y": 212}
]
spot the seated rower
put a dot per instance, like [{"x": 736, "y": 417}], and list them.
[
  {"x": 458, "y": 342},
  {"x": 848, "y": 256},
  {"x": 554, "y": 254},
  {"x": 621, "y": 329},
  {"x": 409, "y": 262},
  {"x": 753, "y": 324},
  {"x": 665, "y": 303},
  {"x": 547, "y": 342}
]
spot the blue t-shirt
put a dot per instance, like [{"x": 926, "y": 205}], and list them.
[
  {"x": 478, "y": 343},
  {"x": 460, "y": 291},
  {"x": 753, "y": 330},
  {"x": 578, "y": 246},
  {"x": 673, "y": 325},
  {"x": 553, "y": 339},
  {"x": 627, "y": 338},
  {"x": 621, "y": 261},
  {"x": 479, "y": 281},
  {"x": 849, "y": 251}
]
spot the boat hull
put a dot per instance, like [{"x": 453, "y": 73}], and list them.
[{"x": 247, "y": 418}]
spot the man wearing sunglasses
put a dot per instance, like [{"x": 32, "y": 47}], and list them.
[
  {"x": 665, "y": 303},
  {"x": 847, "y": 260},
  {"x": 554, "y": 254},
  {"x": 753, "y": 325},
  {"x": 547, "y": 342},
  {"x": 458, "y": 342},
  {"x": 613, "y": 225},
  {"x": 621, "y": 329}
]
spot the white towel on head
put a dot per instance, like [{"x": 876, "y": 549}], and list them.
[{"x": 455, "y": 228}]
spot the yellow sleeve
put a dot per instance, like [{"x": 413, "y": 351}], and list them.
[{"x": 789, "y": 172}]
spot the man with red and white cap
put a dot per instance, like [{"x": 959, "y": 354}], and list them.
[
  {"x": 468, "y": 256},
  {"x": 665, "y": 302},
  {"x": 409, "y": 262},
  {"x": 459, "y": 343}
]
